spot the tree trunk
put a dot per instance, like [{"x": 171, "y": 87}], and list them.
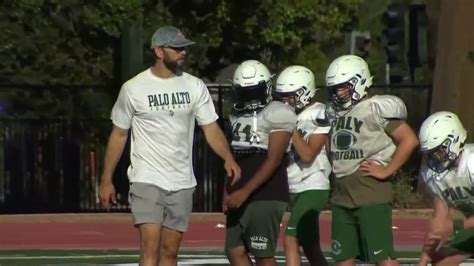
[{"x": 453, "y": 82}]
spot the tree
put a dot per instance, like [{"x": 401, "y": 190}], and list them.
[
  {"x": 60, "y": 42},
  {"x": 76, "y": 41},
  {"x": 67, "y": 42},
  {"x": 73, "y": 41},
  {"x": 284, "y": 32},
  {"x": 453, "y": 79}
]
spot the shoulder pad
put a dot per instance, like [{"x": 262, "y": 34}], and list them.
[
  {"x": 280, "y": 115},
  {"x": 389, "y": 107},
  {"x": 315, "y": 113}
]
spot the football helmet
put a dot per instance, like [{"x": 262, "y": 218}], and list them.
[
  {"x": 296, "y": 81},
  {"x": 442, "y": 138},
  {"x": 252, "y": 86},
  {"x": 348, "y": 70}
]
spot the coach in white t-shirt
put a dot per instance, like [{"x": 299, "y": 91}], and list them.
[{"x": 160, "y": 105}]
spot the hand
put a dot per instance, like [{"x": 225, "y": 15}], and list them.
[
  {"x": 371, "y": 168},
  {"x": 424, "y": 259},
  {"x": 432, "y": 243},
  {"x": 224, "y": 206},
  {"x": 236, "y": 199},
  {"x": 107, "y": 194},
  {"x": 233, "y": 170}
]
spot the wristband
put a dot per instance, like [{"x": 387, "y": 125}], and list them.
[{"x": 458, "y": 224}]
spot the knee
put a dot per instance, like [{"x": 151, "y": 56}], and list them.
[
  {"x": 237, "y": 254},
  {"x": 267, "y": 261},
  {"x": 348, "y": 262},
  {"x": 149, "y": 244},
  {"x": 168, "y": 250},
  {"x": 149, "y": 249},
  {"x": 390, "y": 262},
  {"x": 291, "y": 243}
]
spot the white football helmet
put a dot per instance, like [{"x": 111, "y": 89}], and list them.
[
  {"x": 348, "y": 70},
  {"x": 297, "y": 81},
  {"x": 442, "y": 138},
  {"x": 252, "y": 85}
]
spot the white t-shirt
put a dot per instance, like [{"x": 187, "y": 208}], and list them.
[
  {"x": 161, "y": 114},
  {"x": 314, "y": 175}
]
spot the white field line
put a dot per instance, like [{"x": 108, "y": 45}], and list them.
[{"x": 184, "y": 259}]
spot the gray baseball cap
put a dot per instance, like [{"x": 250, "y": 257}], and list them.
[{"x": 169, "y": 36}]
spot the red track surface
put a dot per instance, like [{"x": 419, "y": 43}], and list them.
[{"x": 409, "y": 233}]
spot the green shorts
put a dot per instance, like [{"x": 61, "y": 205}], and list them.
[
  {"x": 304, "y": 221},
  {"x": 462, "y": 240},
  {"x": 364, "y": 233},
  {"x": 255, "y": 226}
]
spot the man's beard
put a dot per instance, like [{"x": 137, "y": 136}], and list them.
[{"x": 172, "y": 65}]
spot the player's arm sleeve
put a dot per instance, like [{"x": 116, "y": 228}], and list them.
[
  {"x": 204, "y": 109},
  {"x": 282, "y": 117},
  {"x": 390, "y": 111},
  {"x": 123, "y": 110}
]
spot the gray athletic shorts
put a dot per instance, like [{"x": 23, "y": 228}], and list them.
[{"x": 151, "y": 204}]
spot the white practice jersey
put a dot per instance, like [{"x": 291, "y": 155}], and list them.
[
  {"x": 314, "y": 175},
  {"x": 454, "y": 186},
  {"x": 359, "y": 133},
  {"x": 252, "y": 130},
  {"x": 161, "y": 114}
]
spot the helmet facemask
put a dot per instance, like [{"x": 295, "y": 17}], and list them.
[
  {"x": 442, "y": 157},
  {"x": 252, "y": 98},
  {"x": 344, "y": 102},
  {"x": 297, "y": 99},
  {"x": 304, "y": 97}
]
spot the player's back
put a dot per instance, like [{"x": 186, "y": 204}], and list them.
[
  {"x": 250, "y": 141},
  {"x": 251, "y": 130}
]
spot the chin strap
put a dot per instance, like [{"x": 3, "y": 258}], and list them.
[{"x": 254, "y": 138}]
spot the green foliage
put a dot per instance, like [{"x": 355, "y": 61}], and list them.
[
  {"x": 110, "y": 15},
  {"x": 279, "y": 32},
  {"x": 68, "y": 42},
  {"x": 404, "y": 192},
  {"x": 60, "y": 42},
  {"x": 77, "y": 41},
  {"x": 73, "y": 41}
]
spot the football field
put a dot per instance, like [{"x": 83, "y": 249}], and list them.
[{"x": 110, "y": 239}]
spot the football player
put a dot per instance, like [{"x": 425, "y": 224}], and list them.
[
  {"x": 309, "y": 168},
  {"x": 447, "y": 170},
  {"x": 262, "y": 131},
  {"x": 370, "y": 141}
]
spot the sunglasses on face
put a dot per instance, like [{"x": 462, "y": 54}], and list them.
[{"x": 176, "y": 49}]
